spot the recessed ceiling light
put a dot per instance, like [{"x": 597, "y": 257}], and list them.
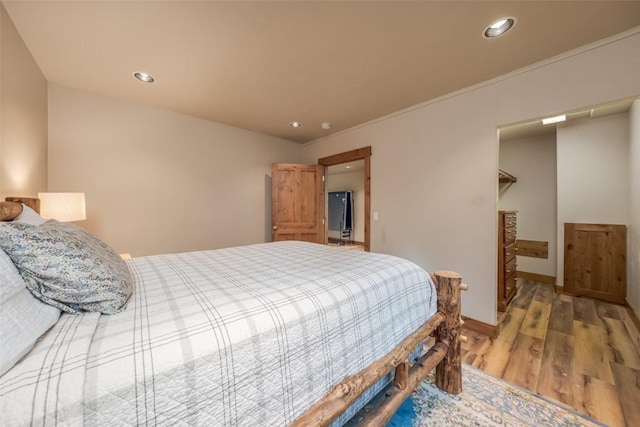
[
  {"x": 295, "y": 124},
  {"x": 325, "y": 125},
  {"x": 556, "y": 119},
  {"x": 348, "y": 167},
  {"x": 144, "y": 77},
  {"x": 499, "y": 27}
]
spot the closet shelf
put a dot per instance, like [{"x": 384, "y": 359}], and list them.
[{"x": 505, "y": 177}]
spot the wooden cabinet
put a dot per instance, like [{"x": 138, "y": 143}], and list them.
[
  {"x": 595, "y": 261},
  {"x": 507, "y": 231}
]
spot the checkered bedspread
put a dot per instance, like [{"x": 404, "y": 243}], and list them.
[{"x": 245, "y": 336}]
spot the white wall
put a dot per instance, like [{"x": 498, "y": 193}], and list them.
[
  {"x": 23, "y": 116},
  {"x": 353, "y": 181},
  {"x": 633, "y": 232},
  {"x": 533, "y": 161},
  {"x": 593, "y": 174},
  {"x": 434, "y": 166},
  {"x": 158, "y": 181}
]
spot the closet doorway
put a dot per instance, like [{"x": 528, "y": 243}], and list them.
[
  {"x": 354, "y": 163},
  {"x": 574, "y": 172}
]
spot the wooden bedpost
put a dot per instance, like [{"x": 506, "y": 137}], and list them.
[{"x": 449, "y": 370}]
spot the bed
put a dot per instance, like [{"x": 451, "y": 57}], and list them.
[{"x": 273, "y": 334}]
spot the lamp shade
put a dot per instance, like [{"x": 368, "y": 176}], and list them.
[{"x": 63, "y": 207}]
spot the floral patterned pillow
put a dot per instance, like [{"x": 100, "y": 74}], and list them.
[{"x": 68, "y": 267}]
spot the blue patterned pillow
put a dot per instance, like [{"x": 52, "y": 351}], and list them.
[{"x": 68, "y": 267}]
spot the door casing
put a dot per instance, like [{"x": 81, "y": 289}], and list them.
[{"x": 363, "y": 153}]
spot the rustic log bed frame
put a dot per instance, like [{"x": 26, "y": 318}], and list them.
[{"x": 444, "y": 355}]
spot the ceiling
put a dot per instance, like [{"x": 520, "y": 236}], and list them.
[
  {"x": 535, "y": 126},
  {"x": 260, "y": 65},
  {"x": 349, "y": 167}
]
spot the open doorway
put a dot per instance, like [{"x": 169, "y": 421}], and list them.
[
  {"x": 344, "y": 206},
  {"x": 349, "y": 172},
  {"x": 569, "y": 185},
  {"x": 576, "y": 170}
]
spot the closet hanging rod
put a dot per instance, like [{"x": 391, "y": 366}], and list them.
[{"x": 506, "y": 177}]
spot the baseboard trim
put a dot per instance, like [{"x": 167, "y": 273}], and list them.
[
  {"x": 543, "y": 278},
  {"x": 491, "y": 331}
]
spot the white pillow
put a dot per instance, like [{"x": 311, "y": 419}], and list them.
[
  {"x": 23, "y": 319},
  {"x": 29, "y": 216}
]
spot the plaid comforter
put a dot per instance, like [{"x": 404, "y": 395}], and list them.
[{"x": 245, "y": 336}]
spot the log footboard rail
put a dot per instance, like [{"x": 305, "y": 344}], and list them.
[{"x": 444, "y": 355}]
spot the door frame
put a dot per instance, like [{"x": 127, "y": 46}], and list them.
[{"x": 363, "y": 153}]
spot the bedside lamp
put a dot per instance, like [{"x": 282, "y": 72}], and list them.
[{"x": 63, "y": 207}]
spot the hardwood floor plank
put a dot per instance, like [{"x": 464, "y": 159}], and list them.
[
  {"x": 536, "y": 321},
  {"x": 592, "y": 357},
  {"x": 477, "y": 346},
  {"x": 632, "y": 315},
  {"x": 619, "y": 344},
  {"x": 545, "y": 293},
  {"x": 561, "y": 317},
  {"x": 630, "y": 326},
  {"x": 468, "y": 357},
  {"x": 565, "y": 297},
  {"x": 628, "y": 388},
  {"x": 495, "y": 361},
  {"x": 607, "y": 310},
  {"x": 583, "y": 340},
  {"x": 584, "y": 310},
  {"x": 525, "y": 294},
  {"x": 523, "y": 367},
  {"x": 555, "y": 378},
  {"x": 598, "y": 400}
]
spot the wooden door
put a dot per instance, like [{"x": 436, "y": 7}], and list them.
[
  {"x": 595, "y": 261},
  {"x": 297, "y": 202}
]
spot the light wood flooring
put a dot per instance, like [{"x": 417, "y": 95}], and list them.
[{"x": 577, "y": 351}]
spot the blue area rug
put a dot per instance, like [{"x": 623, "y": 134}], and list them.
[{"x": 485, "y": 401}]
